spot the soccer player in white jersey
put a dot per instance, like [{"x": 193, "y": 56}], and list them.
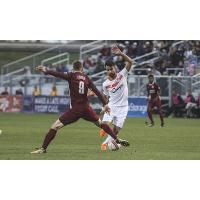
[{"x": 116, "y": 89}]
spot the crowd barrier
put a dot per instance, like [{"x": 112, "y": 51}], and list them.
[{"x": 49, "y": 104}]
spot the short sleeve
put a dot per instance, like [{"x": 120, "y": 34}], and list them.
[
  {"x": 124, "y": 72},
  {"x": 105, "y": 91},
  {"x": 157, "y": 87}
]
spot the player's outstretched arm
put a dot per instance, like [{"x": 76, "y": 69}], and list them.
[
  {"x": 115, "y": 50},
  {"x": 45, "y": 70}
]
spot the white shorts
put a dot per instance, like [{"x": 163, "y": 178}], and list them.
[{"x": 117, "y": 116}]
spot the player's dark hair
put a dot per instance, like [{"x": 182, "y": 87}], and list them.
[
  {"x": 150, "y": 75},
  {"x": 109, "y": 63},
  {"x": 77, "y": 65}
]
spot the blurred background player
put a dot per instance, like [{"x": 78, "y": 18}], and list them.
[
  {"x": 177, "y": 105},
  {"x": 115, "y": 88},
  {"x": 190, "y": 104},
  {"x": 153, "y": 92},
  {"x": 79, "y": 83}
]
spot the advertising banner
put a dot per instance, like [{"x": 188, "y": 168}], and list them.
[
  {"x": 48, "y": 104},
  {"x": 137, "y": 107},
  {"x": 11, "y": 103}
]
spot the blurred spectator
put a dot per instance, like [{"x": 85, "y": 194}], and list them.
[
  {"x": 87, "y": 63},
  {"x": 5, "y": 92},
  {"x": 190, "y": 104},
  {"x": 105, "y": 52},
  {"x": 62, "y": 68},
  {"x": 19, "y": 92},
  {"x": 90, "y": 64},
  {"x": 155, "y": 72},
  {"x": 197, "y": 111},
  {"x": 191, "y": 62},
  {"x": 36, "y": 91},
  {"x": 183, "y": 55},
  {"x": 27, "y": 71},
  {"x": 176, "y": 55},
  {"x": 54, "y": 91},
  {"x": 177, "y": 105}
]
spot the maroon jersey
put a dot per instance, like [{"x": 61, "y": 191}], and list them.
[
  {"x": 153, "y": 90},
  {"x": 79, "y": 83}
]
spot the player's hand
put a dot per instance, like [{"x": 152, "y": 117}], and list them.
[
  {"x": 41, "y": 68},
  {"x": 106, "y": 109},
  {"x": 115, "y": 50}
]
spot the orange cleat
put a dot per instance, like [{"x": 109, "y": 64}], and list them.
[
  {"x": 103, "y": 147},
  {"x": 102, "y": 133}
]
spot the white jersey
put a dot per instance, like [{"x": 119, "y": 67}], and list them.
[{"x": 117, "y": 89}]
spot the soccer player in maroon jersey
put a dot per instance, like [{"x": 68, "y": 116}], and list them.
[
  {"x": 153, "y": 91},
  {"x": 79, "y": 83}
]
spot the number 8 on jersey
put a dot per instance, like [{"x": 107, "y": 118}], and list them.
[{"x": 81, "y": 87}]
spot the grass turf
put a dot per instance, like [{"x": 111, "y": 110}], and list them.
[{"x": 21, "y": 133}]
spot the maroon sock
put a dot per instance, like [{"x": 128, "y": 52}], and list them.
[
  {"x": 150, "y": 116},
  {"x": 115, "y": 131},
  {"x": 108, "y": 130},
  {"x": 161, "y": 117},
  {"x": 49, "y": 137}
]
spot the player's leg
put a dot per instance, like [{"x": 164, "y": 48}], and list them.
[
  {"x": 109, "y": 138},
  {"x": 107, "y": 119},
  {"x": 67, "y": 118},
  {"x": 170, "y": 110},
  {"x": 159, "y": 106},
  {"x": 149, "y": 112},
  {"x": 117, "y": 121},
  {"x": 91, "y": 116},
  {"x": 49, "y": 136}
]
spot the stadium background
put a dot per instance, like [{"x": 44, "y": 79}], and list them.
[{"x": 174, "y": 63}]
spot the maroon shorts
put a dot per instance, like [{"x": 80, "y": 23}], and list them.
[
  {"x": 76, "y": 113},
  {"x": 154, "y": 103}
]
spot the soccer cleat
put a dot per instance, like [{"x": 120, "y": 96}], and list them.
[
  {"x": 122, "y": 142},
  {"x": 102, "y": 133},
  {"x": 162, "y": 125},
  {"x": 103, "y": 147},
  {"x": 39, "y": 151},
  {"x": 151, "y": 124}
]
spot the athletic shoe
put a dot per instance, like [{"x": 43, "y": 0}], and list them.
[
  {"x": 103, "y": 147},
  {"x": 122, "y": 142},
  {"x": 162, "y": 125},
  {"x": 38, "y": 151},
  {"x": 151, "y": 125},
  {"x": 102, "y": 133}
]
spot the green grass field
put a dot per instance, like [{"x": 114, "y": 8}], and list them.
[{"x": 21, "y": 133}]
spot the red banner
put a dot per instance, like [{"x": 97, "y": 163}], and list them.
[{"x": 11, "y": 103}]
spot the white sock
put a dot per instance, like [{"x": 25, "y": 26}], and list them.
[{"x": 108, "y": 139}]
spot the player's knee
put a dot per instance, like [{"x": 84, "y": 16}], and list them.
[
  {"x": 100, "y": 122},
  {"x": 57, "y": 125}
]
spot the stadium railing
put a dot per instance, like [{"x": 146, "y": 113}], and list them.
[
  {"x": 63, "y": 58},
  {"x": 91, "y": 47},
  {"x": 136, "y": 84}
]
